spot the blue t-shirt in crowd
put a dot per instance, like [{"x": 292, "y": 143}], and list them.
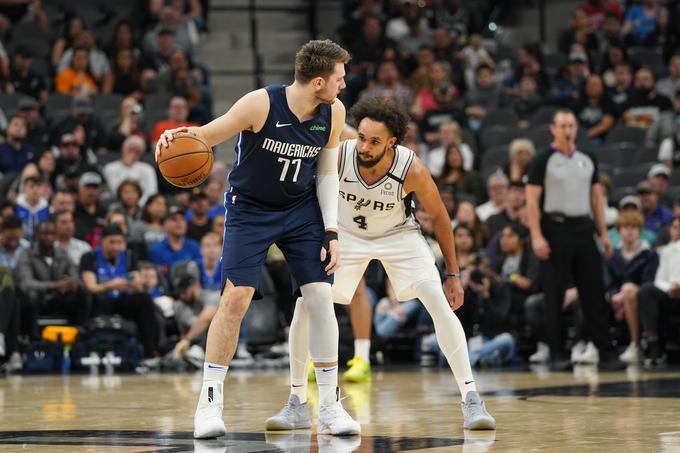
[
  {"x": 643, "y": 25},
  {"x": 164, "y": 256},
  {"x": 211, "y": 282},
  {"x": 13, "y": 160}
]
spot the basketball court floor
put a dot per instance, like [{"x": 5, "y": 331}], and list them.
[{"x": 414, "y": 410}]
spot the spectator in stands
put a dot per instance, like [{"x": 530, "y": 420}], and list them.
[
  {"x": 465, "y": 244},
  {"x": 622, "y": 91},
  {"x": 123, "y": 38},
  {"x": 23, "y": 11},
  {"x": 98, "y": 63},
  {"x": 176, "y": 246},
  {"x": 388, "y": 84},
  {"x": 670, "y": 85},
  {"x": 65, "y": 227},
  {"x": 70, "y": 158},
  {"x": 521, "y": 152},
  {"x": 128, "y": 123},
  {"x": 76, "y": 80},
  {"x": 12, "y": 243},
  {"x": 419, "y": 34},
  {"x": 511, "y": 208},
  {"x": 598, "y": 10},
  {"x": 128, "y": 198},
  {"x": 669, "y": 151},
  {"x": 526, "y": 100},
  {"x": 179, "y": 80},
  {"x": 473, "y": 55},
  {"x": 659, "y": 301},
  {"x": 449, "y": 132},
  {"x": 49, "y": 283},
  {"x": 454, "y": 174},
  {"x": 178, "y": 114},
  {"x": 199, "y": 222},
  {"x": 218, "y": 225},
  {"x": 631, "y": 203},
  {"x": 110, "y": 273},
  {"x": 36, "y": 134},
  {"x": 15, "y": 153},
  {"x": 125, "y": 78},
  {"x": 672, "y": 37},
  {"x": 158, "y": 60},
  {"x": 615, "y": 54},
  {"x": 24, "y": 79},
  {"x": 149, "y": 230},
  {"x": 484, "y": 96},
  {"x": 568, "y": 85},
  {"x": 633, "y": 264},
  {"x": 398, "y": 27},
  {"x": 529, "y": 62},
  {"x": 595, "y": 112},
  {"x": 659, "y": 176},
  {"x": 648, "y": 109},
  {"x": 209, "y": 264},
  {"x": 184, "y": 29},
  {"x": 31, "y": 207},
  {"x": 664, "y": 236},
  {"x": 74, "y": 26},
  {"x": 497, "y": 191},
  {"x": 642, "y": 22},
  {"x": 7, "y": 209},
  {"x": 81, "y": 115},
  {"x": 456, "y": 18},
  {"x": 62, "y": 200},
  {"x": 581, "y": 30},
  {"x": 656, "y": 215},
  {"x": 439, "y": 92},
  {"x": 130, "y": 167},
  {"x": 466, "y": 214},
  {"x": 89, "y": 213},
  {"x": 419, "y": 77}
]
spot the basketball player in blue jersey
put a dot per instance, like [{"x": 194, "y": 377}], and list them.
[
  {"x": 284, "y": 191},
  {"x": 378, "y": 179}
]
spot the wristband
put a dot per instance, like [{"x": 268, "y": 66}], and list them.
[{"x": 453, "y": 275}]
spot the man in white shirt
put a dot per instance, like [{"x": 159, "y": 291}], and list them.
[
  {"x": 497, "y": 189},
  {"x": 129, "y": 167},
  {"x": 660, "y": 300},
  {"x": 65, "y": 227}
]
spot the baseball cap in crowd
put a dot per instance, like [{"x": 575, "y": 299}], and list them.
[
  {"x": 27, "y": 103},
  {"x": 112, "y": 229},
  {"x": 68, "y": 139},
  {"x": 645, "y": 187},
  {"x": 82, "y": 104},
  {"x": 175, "y": 209},
  {"x": 630, "y": 200},
  {"x": 659, "y": 170},
  {"x": 182, "y": 275},
  {"x": 90, "y": 178},
  {"x": 578, "y": 57}
]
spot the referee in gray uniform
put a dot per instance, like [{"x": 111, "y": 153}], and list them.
[{"x": 562, "y": 191}]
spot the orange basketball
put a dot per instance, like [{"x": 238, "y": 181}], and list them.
[{"x": 187, "y": 162}]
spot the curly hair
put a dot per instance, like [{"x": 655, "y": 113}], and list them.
[{"x": 383, "y": 110}]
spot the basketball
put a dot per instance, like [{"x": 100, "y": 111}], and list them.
[{"x": 187, "y": 162}]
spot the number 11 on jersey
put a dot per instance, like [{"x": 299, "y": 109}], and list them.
[{"x": 286, "y": 165}]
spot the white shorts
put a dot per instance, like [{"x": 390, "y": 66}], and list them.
[{"x": 406, "y": 257}]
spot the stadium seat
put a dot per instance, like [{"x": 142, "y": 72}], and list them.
[
  {"x": 9, "y": 103},
  {"x": 673, "y": 192},
  {"x": 501, "y": 117},
  {"x": 617, "y": 154},
  {"x": 626, "y": 134},
  {"x": 57, "y": 105},
  {"x": 543, "y": 115},
  {"x": 619, "y": 192},
  {"x": 496, "y": 156},
  {"x": 630, "y": 176},
  {"x": 499, "y": 135}
]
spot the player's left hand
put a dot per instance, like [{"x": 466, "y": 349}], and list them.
[
  {"x": 454, "y": 292},
  {"x": 330, "y": 252}
]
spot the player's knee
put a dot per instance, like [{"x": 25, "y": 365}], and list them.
[{"x": 237, "y": 300}]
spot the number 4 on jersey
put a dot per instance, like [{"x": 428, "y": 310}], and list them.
[{"x": 361, "y": 221}]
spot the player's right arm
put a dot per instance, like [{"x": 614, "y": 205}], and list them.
[
  {"x": 248, "y": 114},
  {"x": 539, "y": 244}
]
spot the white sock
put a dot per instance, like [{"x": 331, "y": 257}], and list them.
[
  {"x": 298, "y": 342},
  {"x": 362, "y": 348},
  {"x": 450, "y": 334},
  {"x": 327, "y": 381},
  {"x": 214, "y": 373}
]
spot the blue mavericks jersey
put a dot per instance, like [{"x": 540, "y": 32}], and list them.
[{"x": 276, "y": 167}]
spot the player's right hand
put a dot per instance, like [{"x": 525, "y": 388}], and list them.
[
  {"x": 541, "y": 248},
  {"x": 166, "y": 137}
]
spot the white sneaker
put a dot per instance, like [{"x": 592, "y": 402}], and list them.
[
  {"x": 542, "y": 354},
  {"x": 590, "y": 355},
  {"x": 333, "y": 419},
  {"x": 208, "y": 421},
  {"x": 334, "y": 444},
  {"x": 577, "y": 351},
  {"x": 631, "y": 355}
]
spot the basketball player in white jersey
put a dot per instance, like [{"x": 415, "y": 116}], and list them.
[{"x": 377, "y": 181}]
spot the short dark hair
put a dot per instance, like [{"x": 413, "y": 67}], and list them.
[
  {"x": 11, "y": 222},
  {"x": 317, "y": 59},
  {"x": 34, "y": 179},
  {"x": 56, "y": 215},
  {"x": 564, "y": 111},
  {"x": 383, "y": 110}
]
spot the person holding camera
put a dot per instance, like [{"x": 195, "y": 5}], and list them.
[{"x": 563, "y": 191}]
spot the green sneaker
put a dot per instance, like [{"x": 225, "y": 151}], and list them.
[
  {"x": 359, "y": 371},
  {"x": 311, "y": 374}
]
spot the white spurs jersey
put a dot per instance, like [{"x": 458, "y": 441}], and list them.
[{"x": 379, "y": 209}]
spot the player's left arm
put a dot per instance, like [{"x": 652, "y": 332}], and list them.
[
  {"x": 328, "y": 186},
  {"x": 419, "y": 181}
]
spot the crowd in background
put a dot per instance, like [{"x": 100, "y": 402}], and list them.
[{"x": 89, "y": 227}]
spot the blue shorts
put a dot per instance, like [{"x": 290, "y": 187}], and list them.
[{"x": 250, "y": 229}]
